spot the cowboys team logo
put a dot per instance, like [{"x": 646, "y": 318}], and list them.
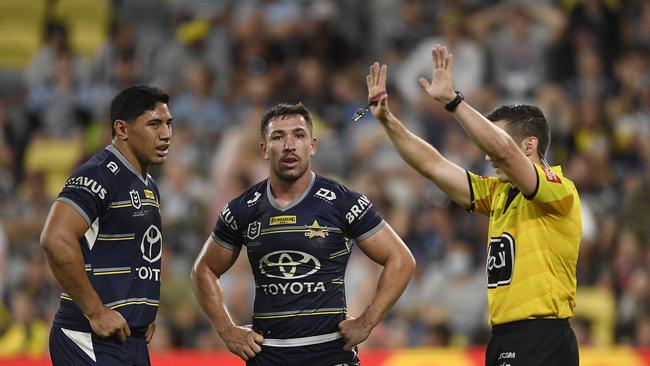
[
  {"x": 500, "y": 260},
  {"x": 135, "y": 199},
  {"x": 254, "y": 229},
  {"x": 288, "y": 264},
  {"x": 151, "y": 246},
  {"x": 315, "y": 230}
]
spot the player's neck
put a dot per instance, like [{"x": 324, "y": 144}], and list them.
[
  {"x": 284, "y": 192},
  {"x": 130, "y": 157}
]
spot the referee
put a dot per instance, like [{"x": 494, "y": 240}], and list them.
[{"x": 534, "y": 217}]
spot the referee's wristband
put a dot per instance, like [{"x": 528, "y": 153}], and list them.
[{"x": 451, "y": 106}]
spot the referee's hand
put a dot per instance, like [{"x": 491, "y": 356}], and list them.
[{"x": 108, "y": 323}]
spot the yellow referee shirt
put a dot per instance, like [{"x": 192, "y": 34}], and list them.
[{"x": 532, "y": 246}]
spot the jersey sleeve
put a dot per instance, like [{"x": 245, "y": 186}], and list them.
[
  {"x": 481, "y": 190},
  {"x": 226, "y": 230},
  {"x": 554, "y": 193},
  {"x": 361, "y": 218},
  {"x": 87, "y": 191}
]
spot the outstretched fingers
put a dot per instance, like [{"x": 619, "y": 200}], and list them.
[
  {"x": 424, "y": 83},
  {"x": 382, "y": 77}
]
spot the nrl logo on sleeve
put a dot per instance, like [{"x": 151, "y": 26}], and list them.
[
  {"x": 135, "y": 199},
  {"x": 254, "y": 229}
]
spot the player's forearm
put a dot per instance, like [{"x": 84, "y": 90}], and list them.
[
  {"x": 415, "y": 151},
  {"x": 486, "y": 135},
  {"x": 209, "y": 293},
  {"x": 397, "y": 272},
  {"x": 67, "y": 265}
]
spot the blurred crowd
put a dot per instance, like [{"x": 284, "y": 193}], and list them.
[{"x": 224, "y": 63}]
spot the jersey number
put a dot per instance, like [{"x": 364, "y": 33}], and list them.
[{"x": 500, "y": 260}]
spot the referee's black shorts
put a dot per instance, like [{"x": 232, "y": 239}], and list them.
[{"x": 535, "y": 342}]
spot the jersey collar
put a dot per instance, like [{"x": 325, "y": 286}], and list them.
[
  {"x": 125, "y": 162},
  {"x": 298, "y": 199}
]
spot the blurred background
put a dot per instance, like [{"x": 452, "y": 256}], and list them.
[{"x": 224, "y": 63}]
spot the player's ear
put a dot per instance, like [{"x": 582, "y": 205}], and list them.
[
  {"x": 263, "y": 150},
  {"x": 314, "y": 146},
  {"x": 121, "y": 127}
]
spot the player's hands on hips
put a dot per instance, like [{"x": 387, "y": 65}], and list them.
[
  {"x": 108, "y": 323},
  {"x": 243, "y": 341},
  {"x": 441, "y": 87},
  {"x": 376, "y": 81},
  {"x": 148, "y": 335},
  {"x": 354, "y": 331}
]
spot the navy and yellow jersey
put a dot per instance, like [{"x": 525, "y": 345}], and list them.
[
  {"x": 123, "y": 245},
  {"x": 298, "y": 254},
  {"x": 532, "y": 245}
]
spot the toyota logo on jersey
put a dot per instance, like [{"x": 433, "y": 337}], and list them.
[
  {"x": 288, "y": 264},
  {"x": 151, "y": 246}
]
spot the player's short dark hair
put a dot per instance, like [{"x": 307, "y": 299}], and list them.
[
  {"x": 521, "y": 121},
  {"x": 283, "y": 110},
  {"x": 135, "y": 100}
]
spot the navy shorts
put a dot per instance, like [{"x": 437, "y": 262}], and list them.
[
  {"x": 74, "y": 348},
  {"x": 536, "y": 342}
]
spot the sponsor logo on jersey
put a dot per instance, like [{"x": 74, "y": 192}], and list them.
[
  {"x": 228, "y": 218},
  {"x": 254, "y": 229},
  {"x": 149, "y": 194},
  {"x": 135, "y": 199},
  {"x": 282, "y": 220},
  {"x": 359, "y": 209},
  {"x": 88, "y": 184},
  {"x": 500, "y": 260},
  {"x": 550, "y": 175},
  {"x": 290, "y": 265},
  {"x": 151, "y": 248},
  {"x": 325, "y": 194},
  {"x": 112, "y": 166},
  {"x": 315, "y": 230},
  {"x": 255, "y": 199}
]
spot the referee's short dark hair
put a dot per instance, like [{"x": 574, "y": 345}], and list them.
[
  {"x": 284, "y": 110},
  {"x": 131, "y": 102},
  {"x": 523, "y": 120}
]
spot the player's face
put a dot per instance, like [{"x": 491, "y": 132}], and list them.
[
  {"x": 150, "y": 135},
  {"x": 288, "y": 146}
]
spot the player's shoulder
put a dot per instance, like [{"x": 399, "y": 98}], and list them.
[
  {"x": 99, "y": 167},
  {"x": 329, "y": 189},
  {"x": 333, "y": 191},
  {"x": 250, "y": 197},
  {"x": 554, "y": 174}
]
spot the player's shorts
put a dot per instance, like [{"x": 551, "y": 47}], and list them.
[
  {"x": 74, "y": 348},
  {"x": 281, "y": 353},
  {"x": 535, "y": 342}
]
